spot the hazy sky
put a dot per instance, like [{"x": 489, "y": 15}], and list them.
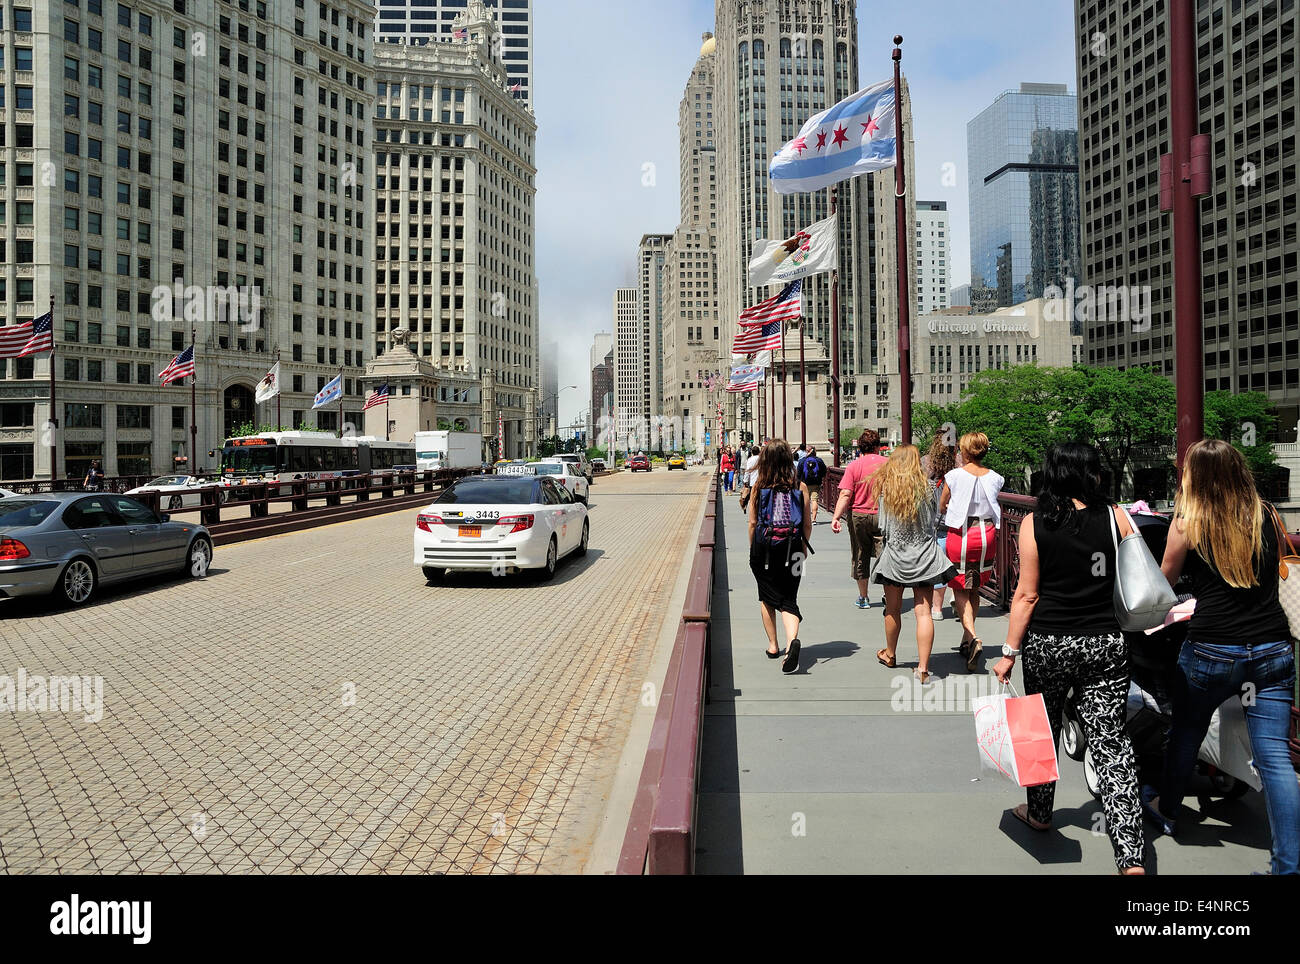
[{"x": 608, "y": 81}]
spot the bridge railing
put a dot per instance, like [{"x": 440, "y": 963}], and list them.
[{"x": 661, "y": 830}]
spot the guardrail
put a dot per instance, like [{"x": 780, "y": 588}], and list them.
[
  {"x": 116, "y": 483},
  {"x": 661, "y": 830}
]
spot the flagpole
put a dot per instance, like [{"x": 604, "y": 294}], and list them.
[
  {"x": 901, "y": 229},
  {"x": 803, "y": 395},
  {"x": 835, "y": 335},
  {"x": 387, "y": 401},
  {"x": 54, "y": 409},
  {"x": 194, "y": 421},
  {"x": 785, "y": 409},
  {"x": 340, "y": 401},
  {"x": 278, "y": 424}
]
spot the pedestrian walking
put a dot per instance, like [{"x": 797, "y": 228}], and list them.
[
  {"x": 1230, "y": 544},
  {"x": 728, "y": 469},
  {"x": 909, "y": 557},
  {"x": 941, "y": 459},
  {"x": 748, "y": 477},
  {"x": 779, "y": 530},
  {"x": 973, "y": 516},
  {"x": 1063, "y": 625},
  {"x": 94, "y": 481},
  {"x": 859, "y": 504},
  {"x": 810, "y": 470}
]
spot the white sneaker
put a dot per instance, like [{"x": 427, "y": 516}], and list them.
[{"x": 936, "y": 615}]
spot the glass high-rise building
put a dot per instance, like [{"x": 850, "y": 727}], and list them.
[{"x": 1023, "y": 159}]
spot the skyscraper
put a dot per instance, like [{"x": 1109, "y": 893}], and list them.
[
  {"x": 1248, "y": 101},
  {"x": 134, "y": 163},
  {"x": 454, "y": 217},
  {"x": 1022, "y": 158},
  {"x": 778, "y": 64},
  {"x": 434, "y": 21},
  {"x": 691, "y": 332},
  {"x": 629, "y": 364},
  {"x": 933, "y": 245},
  {"x": 652, "y": 253}
]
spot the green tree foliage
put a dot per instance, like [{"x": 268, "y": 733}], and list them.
[
  {"x": 1119, "y": 411},
  {"x": 1246, "y": 421}
]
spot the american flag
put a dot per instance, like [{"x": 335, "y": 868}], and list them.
[
  {"x": 29, "y": 338},
  {"x": 516, "y": 88},
  {"x": 785, "y": 306},
  {"x": 751, "y": 340},
  {"x": 458, "y": 34},
  {"x": 378, "y": 397},
  {"x": 182, "y": 366}
]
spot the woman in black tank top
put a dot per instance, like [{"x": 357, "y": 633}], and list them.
[
  {"x": 1063, "y": 623},
  {"x": 1227, "y": 541}
]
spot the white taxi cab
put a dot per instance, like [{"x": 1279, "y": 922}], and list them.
[{"x": 500, "y": 524}]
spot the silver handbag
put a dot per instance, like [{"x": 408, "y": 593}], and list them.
[{"x": 1143, "y": 596}]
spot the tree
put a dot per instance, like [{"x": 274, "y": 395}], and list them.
[
  {"x": 1118, "y": 411},
  {"x": 1246, "y": 421}
]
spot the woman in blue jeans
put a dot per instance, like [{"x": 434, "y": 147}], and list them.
[{"x": 1226, "y": 540}]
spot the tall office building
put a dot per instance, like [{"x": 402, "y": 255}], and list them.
[
  {"x": 1248, "y": 101},
  {"x": 629, "y": 363},
  {"x": 434, "y": 21},
  {"x": 933, "y": 245},
  {"x": 779, "y": 63},
  {"x": 652, "y": 253},
  {"x": 548, "y": 364},
  {"x": 600, "y": 366},
  {"x": 455, "y": 230},
  {"x": 1023, "y": 163},
  {"x": 691, "y": 330},
  {"x": 233, "y": 142}
]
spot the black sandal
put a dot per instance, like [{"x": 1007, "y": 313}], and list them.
[
  {"x": 776, "y": 655},
  {"x": 791, "y": 658}
]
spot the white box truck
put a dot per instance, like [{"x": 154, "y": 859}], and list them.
[{"x": 448, "y": 450}]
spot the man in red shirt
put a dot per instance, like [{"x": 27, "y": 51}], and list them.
[{"x": 864, "y": 522}]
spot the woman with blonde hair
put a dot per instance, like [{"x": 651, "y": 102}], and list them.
[
  {"x": 969, "y": 503},
  {"x": 910, "y": 557},
  {"x": 1229, "y": 543}
]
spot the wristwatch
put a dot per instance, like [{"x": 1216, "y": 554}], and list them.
[{"x": 1008, "y": 652}]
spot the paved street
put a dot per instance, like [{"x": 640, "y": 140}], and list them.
[
  {"x": 845, "y": 767},
  {"x": 486, "y": 722}
]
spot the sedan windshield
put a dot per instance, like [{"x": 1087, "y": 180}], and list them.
[
  {"x": 549, "y": 468},
  {"x": 499, "y": 490},
  {"x": 15, "y": 513}
]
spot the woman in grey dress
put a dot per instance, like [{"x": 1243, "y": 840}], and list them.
[{"x": 909, "y": 505}]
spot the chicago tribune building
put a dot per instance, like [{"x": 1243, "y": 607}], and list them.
[{"x": 209, "y": 143}]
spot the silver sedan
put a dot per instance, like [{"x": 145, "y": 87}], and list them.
[{"x": 70, "y": 543}]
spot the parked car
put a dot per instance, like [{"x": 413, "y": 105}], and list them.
[
  {"x": 638, "y": 463},
  {"x": 497, "y": 523},
  {"x": 598, "y": 465},
  {"x": 71, "y": 543},
  {"x": 179, "y": 491}
]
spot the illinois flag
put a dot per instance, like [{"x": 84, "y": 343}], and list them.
[
  {"x": 813, "y": 250},
  {"x": 269, "y": 386},
  {"x": 330, "y": 393},
  {"x": 854, "y": 137}
]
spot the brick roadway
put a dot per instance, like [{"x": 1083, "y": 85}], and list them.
[{"x": 489, "y": 714}]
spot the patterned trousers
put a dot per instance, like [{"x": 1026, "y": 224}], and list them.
[{"x": 1096, "y": 668}]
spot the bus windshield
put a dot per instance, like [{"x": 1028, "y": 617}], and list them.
[{"x": 249, "y": 459}]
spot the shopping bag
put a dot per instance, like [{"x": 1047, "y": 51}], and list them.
[
  {"x": 1227, "y": 744},
  {"x": 1015, "y": 739}
]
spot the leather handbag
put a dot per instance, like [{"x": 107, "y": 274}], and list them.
[
  {"x": 1288, "y": 565},
  {"x": 1143, "y": 596}
]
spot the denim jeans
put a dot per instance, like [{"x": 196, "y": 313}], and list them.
[{"x": 1209, "y": 675}]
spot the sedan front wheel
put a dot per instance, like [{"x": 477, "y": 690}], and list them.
[{"x": 77, "y": 584}]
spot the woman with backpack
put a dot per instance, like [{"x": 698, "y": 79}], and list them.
[
  {"x": 1230, "y": 544},
  {"x": 910, "y": 557},
  {"x": 779, "y": 528}
]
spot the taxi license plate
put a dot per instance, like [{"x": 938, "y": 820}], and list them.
[{"x": 471, "y": 532}]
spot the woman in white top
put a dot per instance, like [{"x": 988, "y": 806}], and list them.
[{"x": 969, "y": 503}]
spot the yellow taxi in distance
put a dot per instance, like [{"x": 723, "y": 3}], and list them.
[{"x": 676, "y": 461}]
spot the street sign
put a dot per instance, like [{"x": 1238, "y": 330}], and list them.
[{"x": 708, "y": 438}]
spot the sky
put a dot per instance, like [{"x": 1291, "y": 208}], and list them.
[{"x": 608, "y": 80}]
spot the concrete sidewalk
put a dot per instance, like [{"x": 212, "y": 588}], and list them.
[{"x": 849, "y": 767}]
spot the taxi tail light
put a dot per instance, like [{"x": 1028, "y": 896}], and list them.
[
  {"x": 423, "y": 522},
  {"x": 12, "y": 549},
  {"x": 517, "y": 523}
]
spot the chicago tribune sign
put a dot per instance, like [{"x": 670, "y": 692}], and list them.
[{"x": 988, "y": 326}]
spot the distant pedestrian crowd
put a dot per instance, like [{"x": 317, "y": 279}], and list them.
[{"x": 929, "y": 523}]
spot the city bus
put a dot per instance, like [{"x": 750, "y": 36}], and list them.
[{"x": 286, "y": 456}]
